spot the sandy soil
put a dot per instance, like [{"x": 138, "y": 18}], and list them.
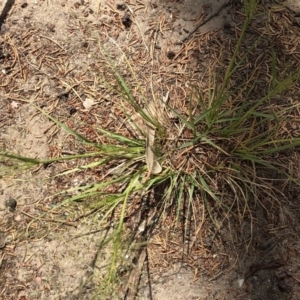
[{"x": 46, "y": 47}]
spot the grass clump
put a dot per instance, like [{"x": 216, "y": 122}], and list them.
[{"x": 218, "y": 151}]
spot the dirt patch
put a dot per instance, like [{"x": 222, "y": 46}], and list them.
[{"x": 49, "y": 56}]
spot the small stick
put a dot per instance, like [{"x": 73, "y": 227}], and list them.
[
  {"x": 73, "y": 224},
  {"x": 205, "y": 21},
  {"x": 47, "y": 38},
  {"x": 7, "y": 7}
]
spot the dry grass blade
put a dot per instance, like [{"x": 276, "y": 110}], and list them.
[{"x": 153, "y": 165}]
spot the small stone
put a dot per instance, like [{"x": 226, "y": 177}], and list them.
[
  {"x": 171, "y": 55},
  {"x": 11, "y": 203},
  {"x": 121, "y": 6},
  {"x": 126, "y": 21}
]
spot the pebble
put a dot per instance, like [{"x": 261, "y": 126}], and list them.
[{"x": 11, "y": 204}]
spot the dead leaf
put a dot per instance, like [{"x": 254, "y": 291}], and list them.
[
  {"x": 88, "y": 103},
  {"x": 14, "y": 104}
]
